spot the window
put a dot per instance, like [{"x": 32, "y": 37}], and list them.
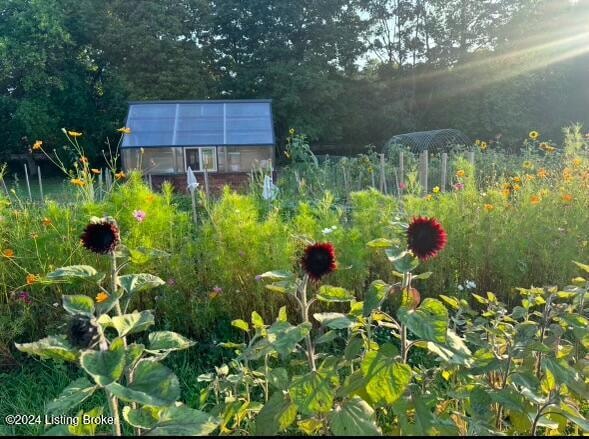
[{"x": 200, "y": 158}]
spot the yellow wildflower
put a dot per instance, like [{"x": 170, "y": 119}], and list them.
[
  {"x": 517, "y": 180},
  {"x": 46, "y": 222},
  {"x": 77, "y": 182},
  {"x": 567, "y": 198},
  {"x": 74, "y": 133},
  {"x": 429, "y": 198},
  {"x": 8, "y": 253},
  {"x": 32, "y": 278},
  {"x": 102, "y": 297},
  {"x": 535, "y": 199},
  {"x": 483, "y": 146},
  {"x": 529, "y": 177},
  {"x": 506, "y": 193},
  {"x": 528, "y": 165},
  {"x": 489, "y": 207},
  {"x": 37, "y": 145},
  {"x": 436, "y": 190},
  {"x": 124, "y": 130},
  {"x": 96, "y": 171},
  {"x": 577, "y": 162},
  {"x": 460, "y": 173},
  {"x": 150, "y": 198},
  {"x": 120, "y": 175},
  {"x": 291, "y": 131},
  {"x": 567, "y": 174},
  {"x": 516, "y": 187},
  {"x": 542, "y": 173},
  {"x": 534, "y": 135},
  {"x": 477, "y": 142}
]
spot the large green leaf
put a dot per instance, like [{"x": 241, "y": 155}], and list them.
[
  {"x": 429, "y": 321},
  {"x": 453, "y": 351},
  {"x": 374, "y": 296},
  {"x": 73, "y": 395},
  {"x": 79, "y": 304},
  {"x": 145, "y": 417},
  {"x": 81, "y": 428},
  {"x": 129, "y": 323},
  {"x": 328, "y": 293},
  {"x": 104, "y": 366},
  {"x": 153, "y": 384},
  {"x": 136, "y": 283},
  {"x": 287, "y": 336},
  {"x": 183, "y": 421},
  {"x": 334, "y": 320},
  {"x": 55, "y": 347},
  {"x": 313, "y": 393},
  {"x": 567, "y": 375},
  {"x": 277, "y": 415},
  {"x": 168, "y": 341},
  {"x": 276, "y": 275},
  {"x": 74, "y": 273},
  {"x": 353, "y": 417},
  {"x": 386, "y": 380}
]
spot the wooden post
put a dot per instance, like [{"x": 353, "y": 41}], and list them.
[
  {"x": 100, "y": 189},
  {"x": 28, "y": 183},
  {"x": 206, "y": 183},
  {"x": 471, "y": 157},
  {"x": 398, "y": 184},
  {"x": 401, "y": 176},
  {"x": 444, "y": 171},
  {"x": 345, "y": 180},
  {"x": 150, "y": 182},
  {"x": 423, "y": 170},
  {"x": 383, "y": 178},
  {"x": 193, "y": 196},
  {"x": 40, "y": 184},
  {"x": 373, "y": 179}
]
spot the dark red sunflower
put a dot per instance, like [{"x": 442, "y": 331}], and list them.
[
  {"x": 101, "y": 236},
  {"x": 319, "y": 260},
  {"x": 426, "y": 237},
  {"x": 82, "y": 331}
]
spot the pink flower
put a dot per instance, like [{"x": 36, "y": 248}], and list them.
[
  {"x": 402, "y": 186},
  {"x": 24, "y": 297},
  {"x": 139, "y": 215},
  {"x": 458, "y": 186}
]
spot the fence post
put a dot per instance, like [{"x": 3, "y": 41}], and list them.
[
  {"x": 345, "y": 180},
  {"x": 423, "y": 170},
  {"x": 150, "y": 182},
  {"x": 206, "y": 183},
  {"x": 28, "y": 183},
  {"x": 40, "y": 184},
  {"x": 471, "y": 157},
  {"x": 100, "y": 188},
  {"x": 383, "y": 178},
  {"x": 444, "y": 171},
  {"x": 401, "y": 176}
]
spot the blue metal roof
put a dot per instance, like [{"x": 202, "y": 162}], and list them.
[{"x": 199, "y": 123}]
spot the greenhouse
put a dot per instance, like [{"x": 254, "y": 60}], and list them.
[{"x": 221, "y": 137}]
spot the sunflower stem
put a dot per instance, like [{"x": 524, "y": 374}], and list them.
[{"x": 305, "y": 318}]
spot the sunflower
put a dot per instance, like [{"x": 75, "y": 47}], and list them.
[
  {"x": 534, "y": 135},
  {"x": 426, "y": 237},
  {"x": 436, "y": 190},
  {"x": 101, "y": 297},
  {"x": 82, "y": 331},
  {"x": 483, "y": 146},
  {"x": 517, "y": 180},
  {"x": 101, "y": 236},
  {"x": 319, "y": 260},
  {"x": 528, "y": 165},
  {"x": 577, "y": 162}
]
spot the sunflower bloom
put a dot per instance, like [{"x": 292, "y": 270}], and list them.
[
  {"x": 529, "y": 177},
  {"x": 516, "y": 187},
  {"x": 319, "y": 260},
  {"x": 426, "y": 237},
  {"x": 31, "y": 279},
  {"x": 436, "y": 190},
  {"x": 8, "y": 253},
  {"x": 101, "y": 236},
  {"x": 483, "y": 146},
  {"x": 534, "y": 135},
  {"x": 567, "y": 174},
  {"x": 506, "y": 193},
  {"x": 74, "y": 134},
  {"x": 102, "y": 297},
  {"x": 124, "y": 130}
]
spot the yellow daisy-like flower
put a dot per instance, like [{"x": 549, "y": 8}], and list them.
[
  {"x": 506, "y": 193},
  {"x": 535, "y": 200},
  {"x": 34, "y": 235},
  {"x": 516, "y": 187},
  {"x": 8, "y": 253},
  {"x": 31, "y": 279},
  {"x": 46, "y": 222},
  {"x": 567, "y": 174},
  {"x": 517, "y": 180},
  {"x": 37, "y": 145},
  {"x": 124, "y": 130},
  {"x": 96, "y": 171},
  {"x": 429, "y": 197},
  {"x": 489, "y": 207},
  {"x": 529, "y": 177},
  {"x": 534, "y": 135},
  {"x": 542, "y": 173},
  {"x": 483, "y": 146},
  {"x": 102, "y": 297},
  {"x": 577, "y": 162},
  {"x": 567, "y": 198},
  {"x": 436, "y": 190},
  {"x": 528, "y": 165},
  {"x": 477, "y": 142},
  {"x": 77, "y": 182},
  {"x": 120, "y": 175},
  {"x": 291, "y": 131},
  {"x": 150, "y": 198},
  {"x": 460, "y": 173},
  {"x": 84, "y": 159},
  {"x": 74, "y": 134},
  {"x": 544, "y": 146}
]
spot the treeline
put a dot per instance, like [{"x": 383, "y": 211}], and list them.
[{"x": 348, "y": 72}]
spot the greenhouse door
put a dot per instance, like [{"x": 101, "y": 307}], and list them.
[{"x": 200, "y": 158}]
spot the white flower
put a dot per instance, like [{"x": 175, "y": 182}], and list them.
[
  {"x": 327, "y": 231},
  {"x": 460, "y": 287},
  {"x": 56, "y": 304},
  {"x": 470, "y": 284}
]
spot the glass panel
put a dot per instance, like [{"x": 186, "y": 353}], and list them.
[
  {"x": 199, "y": 124},
  {"x": 242, "y": 159},
  {"x": 209, "y": 159},
  {"x": 157, "y": 161},
  {"x": 248, "y": 123},
  {"x": 129, "y": 157},
  {"x": 192, "y": 159},
  {"x": 151, "y": 125}
]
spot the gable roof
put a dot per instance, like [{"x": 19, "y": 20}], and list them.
[{"x": 199, "y": 123}]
